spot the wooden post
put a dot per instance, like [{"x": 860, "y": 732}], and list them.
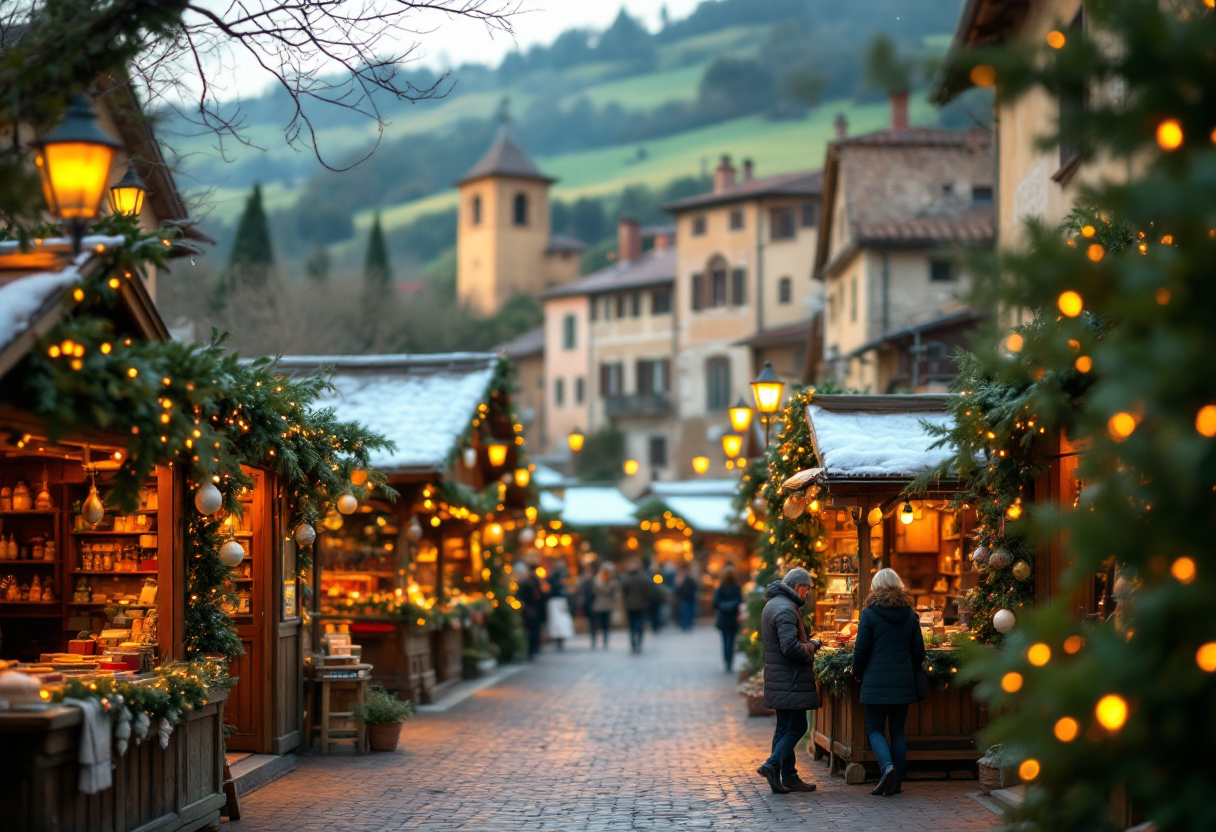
[{"x": 864, "y": 557}]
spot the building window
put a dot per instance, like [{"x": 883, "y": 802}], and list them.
[
  {"x": 580, "y": 390},
  {"x": 607, "y": 309},
  {"x": 636, "y": 304},
  {"x": 698, "y": 226},
  {"x": 521, "y": 209},
  {"x": 940, "y": 271},
  {"x": 653, "y": 376},
  {"x": 717, "y": 295},
  {"x": 620, "y": 306},
  {"x": 810, "y": 214},
  {"x": 717, "y": 384},
  {"x": 611, "y": 379},
  {"x": 657, "y": 455},
  {"x": 593, "y": 307},
  {"x": 738, "y": 287},
  {"x": 569, "y": 335},
  {"x": 981, "y": 195},
  {"x": 475, "y": 210},
  {"x": 736, "y": 219},
  {"x": 697, "y": 290},
  {"x": 853, "y": 299},
  {"x": 783, "y": 224},
  {"x": 785, "y": 290},
  {"x": 559, "y": 392},
  {"x": 660, "y": 302}
]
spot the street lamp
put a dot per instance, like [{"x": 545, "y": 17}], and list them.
[
  {"x": 767, "y": 389},
  {"x": 740, "y": 416},
  {"x": 576, "y": 440},
  {"x": 700, "y": 464},
  {"x": 127, "y": 197},
  {"x": 732, "y": 444},
  {"x": 522, "y": 477},
  {"x": 631, "y": 467},
  {"x": 74, "y": 163}
]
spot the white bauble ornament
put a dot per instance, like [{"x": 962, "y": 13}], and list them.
[
  {"x": 305, "y": 534},
  {"x": 232, "y": 552},
  {"x": 795, "y": 504},
  {"x": 414, "y": 530},
  {"x": 469, "y": 457},
  {"x": 1004, "y": 620},
  {"x": 93, "y": 511},
  {"x": 1021, "y": 570},
  {"x": 526, "y": 535},
  {"x": 347, "y": 504},
  {"x": 208, "y": 499}
]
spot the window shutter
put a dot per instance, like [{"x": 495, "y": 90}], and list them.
[
  {"x": 605, "y": 381},
  {"x": 645, "y": 377},
  {"x": 696, "y": 292},
  {"x": 665, "y": 382},
  {"x": 739, "y": 287}
]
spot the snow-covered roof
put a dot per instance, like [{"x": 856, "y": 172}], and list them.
[
  {"x": 876, "y": 437},
  {"x": 550, "y": 503},
  {"x": 423, "y": 403},
  {"x": 546, "y": 477},
  {"x": 588, "y": 505},
  {"x": 665, "y": 489},
  {"x": 711, "y": 513}
]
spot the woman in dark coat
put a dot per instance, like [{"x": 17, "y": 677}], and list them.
[
  {"x": 727, "y": 598},
  {"x": 531, "y": 595},
  {"x": 889, "y": 648}
]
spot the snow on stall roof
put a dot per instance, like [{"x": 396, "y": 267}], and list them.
[
  {"x": 669, "y": 488},
  {"x": 875, "y": 444},
  {"x": 546, "y": 477},
  {"x": 423, "y": 403},
  {"x": 711, "y": 513},
  {"x": 550, "y": 503},
  {"x": 597, "y": 506}
]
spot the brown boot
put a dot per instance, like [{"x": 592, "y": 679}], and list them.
[{"x": 796, "y": 784}]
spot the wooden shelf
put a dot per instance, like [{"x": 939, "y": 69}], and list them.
[
  {"x": 4, "y": 563},
  {"x": 109, "y": 533},
  {"x": 46, "y": 512},
  {"x": 26, "y": 603},
  {"x": 112, "y": 572}
]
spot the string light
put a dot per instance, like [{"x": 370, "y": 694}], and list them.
[
  {"x": 1066, "y": 729},
  {"x": 1070, "y": 303},
  {"x": 1111, "y": 711},
  {"x": 1169, "y": 135},
  {"x": 1056, "y": 39}
]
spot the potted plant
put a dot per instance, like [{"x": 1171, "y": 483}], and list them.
[
  {"x": 383, "y": 714},
  {"x": 997, "y": 769}
]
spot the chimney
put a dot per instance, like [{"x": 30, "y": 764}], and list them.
[
  {"x": 899, "y": 112},
  {"x": 749, "y": 168},
  {"x": 662, "y": 241},
  {"x": 628, "y": 240},
  {"x": 724, "y": 176},
  {"x": 842, "y": 126}
]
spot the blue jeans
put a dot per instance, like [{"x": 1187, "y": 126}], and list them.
[
  {"x": 729, "y": 634},
  {"x": 894, "y": 717},
  {"x": 637, "y": 626},
  {"x": 791, "y": 726},
  {"x": 688, "y": 613},
  {"x": 599, "y": 623}
]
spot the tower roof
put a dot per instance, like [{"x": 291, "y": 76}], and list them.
[{"x": 505, "y": 158}]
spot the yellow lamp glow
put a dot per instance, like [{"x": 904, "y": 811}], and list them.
[
  {"x": 767, "y": 389},
  {"x": 907, "y": 514},
  {"x": 358, "y": 476},
  {"x": 631, "y": 467},
  {"x": 700, "y": 464},
  {"x": 522, "y": 477},
  {"x": 493, "y": 534},
  {"x": 497, "y": 452},
  {"x": 740, "y": 416},
  {"x": 1111, "y": 712},
  {"x": 575, "y": 439},
  {"x": 875, "y": 516},
  {"x": 732, "y": 444},
  {"x": 127, "y": 197}
]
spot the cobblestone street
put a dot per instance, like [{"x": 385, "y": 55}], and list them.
[{"x": 594, "y": 741}]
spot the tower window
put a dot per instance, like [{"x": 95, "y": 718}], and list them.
[
  {"x": 475, "y": 210},
  {"x": 717, "y": 388},
  {"x": 569, "y": 335},
  {"x": 521, "y": 209}
]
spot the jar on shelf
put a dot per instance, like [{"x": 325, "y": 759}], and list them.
[
  {"x": 107, "y": 561},
  {"x": 6, "y": 499},
  {"x": 22, "y": 499},
  {"x": 37, "y": 549},
  {"x": 49, "y": 552}
]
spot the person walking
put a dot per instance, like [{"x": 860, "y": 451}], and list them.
[
  {"x": 560, "y": 623},
  {"x": 584, "y": 594},
  {"x": 888, "y": 650},
  {"x": 686, "y": 598},
  {"x": 532, "y": 596},
  {"x": 605, "y": 600},
  {"x": 639, "y": 591},
  {"x": 789, "y": 678},
  {"x": 727, "y": 598},
  {"x": 660, "y": 600}
]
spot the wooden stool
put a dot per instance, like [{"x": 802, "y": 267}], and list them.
[{"x": 325, "y": 681}]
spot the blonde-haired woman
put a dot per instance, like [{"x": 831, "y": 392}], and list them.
[{"x": 889, "y": 648}]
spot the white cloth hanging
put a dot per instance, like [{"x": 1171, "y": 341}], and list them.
[{"x": 96, "y": 758}]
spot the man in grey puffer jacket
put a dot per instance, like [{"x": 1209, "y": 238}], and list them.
[{"x": 789, "y": 677}]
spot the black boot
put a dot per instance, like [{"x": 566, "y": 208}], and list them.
[
  {"x": 774, "y": 779},
  {"x": 886, "y": 783}
]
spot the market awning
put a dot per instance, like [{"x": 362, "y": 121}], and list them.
[
  {"x": 879, "y": 438},
  {"x": 705, "y": 505},
  {"x": 597, "y": 506},
  {"x": 423, "y": 403}
]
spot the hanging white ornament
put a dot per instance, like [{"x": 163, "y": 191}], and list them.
[
  {"x": 414, "y": 530},
  {"x": 122, "y": 731},
  {"x": 347, "y": 504},
  {"x": 1004, "y": 620},
  {"x": 526, "y": 535},
  {"x": 93, "y": 511},
  {"x": 795, "y": 504},
  {"x": 469, "y": 457},
  {"x": 140, "y": 725},
  {"x": 208, "y": 499},
  {"x": 165, "y": 730},
  {"x": 305, "y": 534},
  {"x": 232, "y": 552}
]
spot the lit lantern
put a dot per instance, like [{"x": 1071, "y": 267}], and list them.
[
  {"x": 74, "y": 161},
  {"x": 127, "y": 197},
  {"x": 907, "y": 514},
  {"x": 576, "y": 440},
  {"x": 522, "y": 477},
  {"x": 631, "y": 467},
  {"x": 767, "y": 389},
  {"x": 875, "y": 516},
  {"x": 493, "y": 534},
  {"x": 358, "y": 476},
  {"x": 347, "y": 504},
  {"x": 740, "y": 416},
  {"x": 700, "y": 464},
  {"x": 732, "y": 444},
  {"x": 497, "y": 452}
]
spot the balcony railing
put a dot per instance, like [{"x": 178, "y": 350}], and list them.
[{"x": 643, "y": 404}]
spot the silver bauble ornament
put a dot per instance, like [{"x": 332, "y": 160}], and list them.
[
  {"x": 759, "y": 506},
  {"x": 414, "y": 530},
  {"x": 305, "y": 534},
  {"x": 93, "y": 511},
  {"x": 795, "y": 504},
  {"x": 1021, "y": 570},
  {"x": 526, "y": 535},
  {"x": 208, "y": 499},
  {"x": 469, "y": 457},
  {"x": 232, "y": 552},
  {"x": 980, "y": 556},
  {"x": 1000, "y": 559},
  {"x": 1004, "y": 620},
  {"x": 347, "y": 504}
]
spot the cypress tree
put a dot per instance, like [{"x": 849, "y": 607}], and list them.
[
  {"x": 252, "y": 253},
  {"x": 377, "y": 273},
  {"x": 318, "y": 266}
]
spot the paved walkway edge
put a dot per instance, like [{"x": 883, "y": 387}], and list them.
[
  {"x": 466, "y": 689},
  {"x": 256, "y": 770}
]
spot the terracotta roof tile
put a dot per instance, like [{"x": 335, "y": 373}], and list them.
[
  {"x": 799, "y": 183},
  {"x": 653, "y": 269}
]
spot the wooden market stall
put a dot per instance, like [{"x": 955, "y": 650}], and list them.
[
  {"x": 406, "y": 578},
  {"x": 87, "y": 594},
  {"x": 871, "y": 448}
]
